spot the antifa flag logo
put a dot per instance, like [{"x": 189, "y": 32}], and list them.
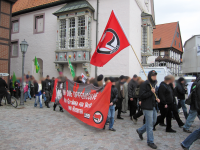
[
  {"x": 109, "y": 43},
  {"x": 98, "y": 117}
]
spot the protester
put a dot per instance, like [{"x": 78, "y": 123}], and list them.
[
  {"x": 29, "y": 87},
  {"x": 79, "y": 79},
  {"x": 43, "y": 89},
  {"x": 47, "y": 90},
  {"x": 52, "y": 84},
  {"x": 196, "y": 134},
  {"x": 59, "y": 92},
  {"x": 174, "y": 108},
  {"x": 11, "y": 87},
  {"x": 99, "y": 82},
  {"x": 193, "y": 112},
  {"x": 3, "y": 91},
  {"x": 180, "y": 92},
  {"x": 38, "y": 93},
  {"x": 87, "y": 81},
  {"x": 32, "y": 86},
  {"x": 119, "y": 86},
  {"x": 140, "y": 112},
  {"x": 125, "y": 93},
  {"x": 113, "y": 99},
  {"x": 148, "y": 98},
  {"x": 132, "y": 85},
  {"x": 165, "y": 94}
]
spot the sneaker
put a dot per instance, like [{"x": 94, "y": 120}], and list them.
[
  {"x": 184, "y": 147},
  {"x": 154, "y": 128},
  {"x": 152, "y": 145},
  {"x": 140, "y": 135},
  {"x": 170, "y": 131},
  {"x": 120, "y": 118},
  {"x": 162, "y": 124},
  {"x": 112, "y": 129},
  {"x": 187, "y": 131}
]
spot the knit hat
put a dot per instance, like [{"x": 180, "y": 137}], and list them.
[{"x": 100, "y": 77}]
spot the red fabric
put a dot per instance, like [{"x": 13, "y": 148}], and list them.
[
  {"x": 112, "y": 41},
  {"x": 54, "y": 91},
  {"x": 91, "y": 111}
]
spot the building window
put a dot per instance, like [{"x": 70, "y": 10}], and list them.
[
  {"x": 156, "y": 53},
  {"x": 162, "y": 53},
  {"x": 177, "y": 34},
  {"x": 144, "y": 39},
  {"x": 15, "y": 26},
  {"x": 71, "y": 32},
  {"x": 62, "y": 33},
  {"x": 179, "y": 45},
  {"x": 175, "y": 42},
  {"x": 39, "y": 23},
  {"x": 157, "y": 41},
  {"x": 81, "y": 31},
  {"x": 14, "y": 49}
]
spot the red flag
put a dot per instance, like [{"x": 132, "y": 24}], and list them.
[
  {"x": 54, "y": 91},
  {"x": 112, "y": 42},
  {"x": 88, "y": 103}
]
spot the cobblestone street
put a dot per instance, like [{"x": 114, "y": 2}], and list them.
[{"x": 34, "y": 128}]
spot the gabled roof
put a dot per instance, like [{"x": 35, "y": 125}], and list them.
[
  {"x": 24, "y": 6},
  {"x": 167, "y": 33},
  {"x": 74, "y": 6}
]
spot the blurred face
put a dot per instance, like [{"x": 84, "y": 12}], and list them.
[
  {"x": 48, "y": 78},
  {"x": 113, "y": 83},
  {"x": 154, "y": 78},
  {"x": 135, "y": 79},
  {"x": 183, "y": 82}
]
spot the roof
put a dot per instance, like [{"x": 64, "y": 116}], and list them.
[
  {"x": 74, "y": 6},
  {"x": 167, "y": 35},
  {"x": 190, "y": 39},
  {"x": 24, "y": 6}
]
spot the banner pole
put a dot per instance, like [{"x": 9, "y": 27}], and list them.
[{"x": 142, "y": 69}]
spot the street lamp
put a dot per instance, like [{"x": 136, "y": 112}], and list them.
[{"x": 24, "y": 46}]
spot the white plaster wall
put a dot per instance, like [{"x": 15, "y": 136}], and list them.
[{"x": 43, "y": 45}]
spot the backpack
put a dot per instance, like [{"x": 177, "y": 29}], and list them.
[{"x": 188, "y": 101}]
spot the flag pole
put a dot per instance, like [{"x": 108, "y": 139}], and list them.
[{"x": 142, "y": 68}]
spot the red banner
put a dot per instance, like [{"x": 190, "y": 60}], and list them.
[
  {"x": 88, "y": 103},
  {"x": 111, "y": 43}
]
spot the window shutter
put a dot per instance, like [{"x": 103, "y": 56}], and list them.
[{"x": 40, "y": 22}]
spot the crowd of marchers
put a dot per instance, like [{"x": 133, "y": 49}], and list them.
[{"x": 133, "y": 95}]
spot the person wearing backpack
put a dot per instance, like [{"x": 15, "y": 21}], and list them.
[
  {"x": 193, "y": 112},
  {"x": 196, "y": 134},
  {"x": 132, "y": 86},
  {"x": 180, "y": 92},
  {"x": 165, "y": 94}
]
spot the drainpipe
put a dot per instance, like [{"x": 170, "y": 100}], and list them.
[{"x": 97, "y": 26}]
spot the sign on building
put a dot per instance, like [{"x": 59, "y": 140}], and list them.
[{"x": 198, "y": 50}]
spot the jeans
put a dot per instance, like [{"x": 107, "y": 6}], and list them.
[
  {"x": 182, "y": 103},
  {"x": 29, "y": 90},
  {"x": 111, "y": 115},
  {"x": 44, "y": 96},
  {"x": 192, "y": 115},
  {"x": 150, "y": 120},
  {"x": 191, "y": 138},
  {"x": 25, "y": 96},
  {"x": 38, "y": 99}
]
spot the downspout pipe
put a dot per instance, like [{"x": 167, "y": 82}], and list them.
[{"x": 97, "y": 27}]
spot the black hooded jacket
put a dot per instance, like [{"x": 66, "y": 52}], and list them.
[
  {"x": 197, "y": 83},
  {"x": 147, "y": 97},
  {"x": 114, "y": 94},
  {"x": 180, "y": 90},
  {"x": 165, "y": 94}
]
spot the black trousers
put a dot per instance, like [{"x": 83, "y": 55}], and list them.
[
  {"x": 133, "y": 106},
  {"x": 176, "y": 115},
  {"x": 165, "y": 112},
  {"x": 48, "y": 96},
  {"x": 138, "y": 114},
  {"x": 119, "y": 107}
]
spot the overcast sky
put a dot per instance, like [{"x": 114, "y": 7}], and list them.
[{"x": 187, "y": 12}]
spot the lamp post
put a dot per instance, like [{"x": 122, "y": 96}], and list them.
[{"x": 24, "y": 46}]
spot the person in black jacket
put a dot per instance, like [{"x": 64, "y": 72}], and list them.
[
  {"x": 47, "y": 90},
  {"x": 165, "y": 94},
  {"x": 3, "y": 91},
  {"x": 193, "y": 112},
  {"x": 113, "y": 99},
  {"x": 148, "y": 104},
  {"x": 180, "y": 91},
  {"x": 132, "y": 85}
]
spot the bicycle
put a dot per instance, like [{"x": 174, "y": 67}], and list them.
[{"x": 14, "y": 102}]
